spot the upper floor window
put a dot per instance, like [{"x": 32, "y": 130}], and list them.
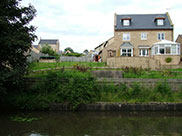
[
  {"x": 161, "y": 36},
  {"x": 126, "y": 22},
  {"x": 126, "y": 37},
  {"x": 143, "y": 36},
  {"x": 160, "y": 22}
]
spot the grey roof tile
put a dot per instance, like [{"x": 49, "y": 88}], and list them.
[
  {"x": 126, "y": 45},
  {"x": 48, "y": 41},
  {"x": 143, "y": 21}
]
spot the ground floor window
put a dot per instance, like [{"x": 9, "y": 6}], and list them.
[
  {"x": 111, "y": 53},
  {"x": 127, "y": 52},
  {"x": 143, "y": 52},
  {"x": 166, "y": 49}
]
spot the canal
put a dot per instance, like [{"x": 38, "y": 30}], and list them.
[{"x": 91, "y": 123}]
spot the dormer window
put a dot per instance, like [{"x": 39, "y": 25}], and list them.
[
  {"x": 160, "y": 22},
  {"x": 126, "y": 22}
]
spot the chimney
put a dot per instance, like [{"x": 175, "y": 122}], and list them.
[{"x": 115, "y": 19}]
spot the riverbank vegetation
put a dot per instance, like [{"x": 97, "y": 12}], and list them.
[{"x": 75, "y": 87}]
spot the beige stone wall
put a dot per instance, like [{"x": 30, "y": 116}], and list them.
[
  {"x": 55, "y": 47},
  {"x": 140, "y": 62},
  {"x": 135, "y": 38},
  {"x": 179, "y": 40},
  {"x": 161, "y": 58}
]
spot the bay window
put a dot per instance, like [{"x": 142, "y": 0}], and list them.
[{"x": 127, "y": 52}]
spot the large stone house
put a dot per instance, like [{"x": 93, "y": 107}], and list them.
[
  {"x": 53, "y": 43},
  {"x": 142, "y": 40}
]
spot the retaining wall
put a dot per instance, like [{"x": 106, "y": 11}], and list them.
[
  {"x": 139, "y": 62},
  {"x": 120, "y": 107},
  {"x": 175, "y": 84}
]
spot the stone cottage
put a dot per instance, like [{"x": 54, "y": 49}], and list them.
[
  {"x": 53, "y": 43},
  {"x": 142, "y": 40}
]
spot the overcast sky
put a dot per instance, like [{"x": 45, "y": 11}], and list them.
[{"x": 84, "y": 24}]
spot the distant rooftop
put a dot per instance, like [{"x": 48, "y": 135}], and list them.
[
  {"x": 48, "y": 41},
  {"x": 143, "y": 21},
  {"x": 35, "y": 46}
]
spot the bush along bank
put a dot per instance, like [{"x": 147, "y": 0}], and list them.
[{"x": 76, "y": 87}]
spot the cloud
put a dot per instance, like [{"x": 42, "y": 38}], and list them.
[{"x": 84, "y": 24}]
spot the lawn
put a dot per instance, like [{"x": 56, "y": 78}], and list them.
[
  {"x": 127, "y": 72},
  {"x": 42, "y": 65}
]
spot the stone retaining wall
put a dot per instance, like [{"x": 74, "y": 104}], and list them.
[
  {"x": 175, "y": 84},
  {"x": 120, "y": 107},
  {"x": 138, "y": 62}
]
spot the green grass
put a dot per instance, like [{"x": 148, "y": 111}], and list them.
[
  {"x": 176, "y": 69},
  {"x": 42, "y": 65},
  {"x": 154, "y": 74},
  {"x": 127, "y": 72}
]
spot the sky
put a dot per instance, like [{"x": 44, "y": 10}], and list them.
[{"x": 85, "y": 24}]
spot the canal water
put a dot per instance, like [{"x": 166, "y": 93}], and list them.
[{"x": 91, "y": 124}]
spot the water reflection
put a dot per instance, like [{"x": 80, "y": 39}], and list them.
[{"x": 93, "y": 124}]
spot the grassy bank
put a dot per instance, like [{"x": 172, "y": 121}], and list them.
[
  {"x": 76, "y": 87},
  {"x": 42, "y": 65},
  {"x": 128, "y": 72}
]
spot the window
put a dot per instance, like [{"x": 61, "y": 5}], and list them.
[
  {"x": 161, "y": 49},
  {"x": 161, "y": 36},
  {"x": 126, "y": 37},
  {"x": 111, "y": 53},
  {"x": 127, "y": 52},
  {"x": 166, "y": 49},
  {"x": 143, "y": 52},
  {"x": 156, "y": 50},
  {"x": 173, "y": 49},
  {"x": 143, "y": 36},
  {"x": 126, "y": 22},
  {"x": 160, "y": 22}
]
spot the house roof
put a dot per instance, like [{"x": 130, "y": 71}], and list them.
[
  {"x": 165, "y": 42},
  {"x": 104, "y": 43},
  {"x": 48, "y": 41},
  {"x": 143, "y": 21},
  {"x": 35, "y": 46},
  {"x": 126, "y": 45}
]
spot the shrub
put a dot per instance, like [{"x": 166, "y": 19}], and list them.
[
  {"x": 73, "y": 87},
  {"x": 168, "y": 59}
]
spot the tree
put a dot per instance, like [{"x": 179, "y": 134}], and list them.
[
  {"x": 46, "y": 49},
  {"x": 68, "y": 48},
  {"x": 85, "y": 52},
  {"x": 16, "y": 37}
]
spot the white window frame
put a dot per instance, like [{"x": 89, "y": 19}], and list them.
[
  {"x": 126, "y": 22},
  {"x": 126, "y": 36},
  {"x": 143, "y": 36},
  {"x": 160, "y": 22},
  {"x": 161, "y": 36},
  {"x": 173, "y": 51},
  {"x": 126, "y": 52},
  {"x": 146, "y": 52}
]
